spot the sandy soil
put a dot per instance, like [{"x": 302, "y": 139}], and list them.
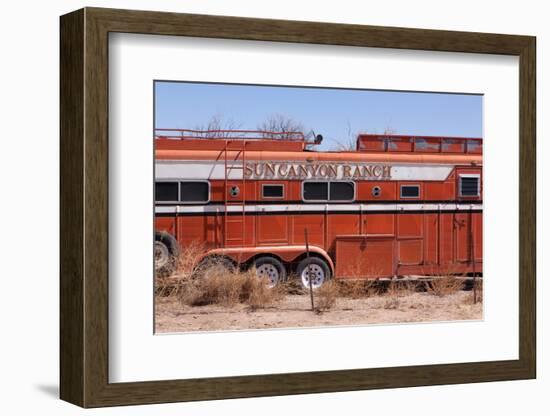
[{"x": 293, "y": 311}]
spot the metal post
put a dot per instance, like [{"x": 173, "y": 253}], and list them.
[
  {"x": 309, "y": 273},
  {"x": 472, "y": 255}
]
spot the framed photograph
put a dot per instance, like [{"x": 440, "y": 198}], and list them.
[{"x": 254, "y": 207}]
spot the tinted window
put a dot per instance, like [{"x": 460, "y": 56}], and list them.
[
  {"x": 272, "y": 191},
  {"x": 315, "y": 191},
  {"x": 469, "y": 186},
  {"x": 194, "y": 191},
  {"x": 341, "y": 191},
  {"x": 166, "y": 191},
  {"x": 410, "y": 191}
]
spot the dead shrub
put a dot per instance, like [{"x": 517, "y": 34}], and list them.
[
  {"x": 444, "y": 286},
  {"x": 166, "y": 286},
  {"x": 400, "y": 288},
  {"x": 356, "y": 289},
  {"x": 397, "y": 289},
  {"x": 188, "y": 259},
  {"x": 173, "y": 284},
  {"x": 292, "y": 286},
  {"x": 219, "y": 286},
  {"x": 391, "y": 303},
  {"x": 475, "y": 294},
  {"x": 256, "y": 292},
  {"x": 478, "y": 285},
  {"x": 215, "y": 287},
  {"x": 326, "y": 295}
]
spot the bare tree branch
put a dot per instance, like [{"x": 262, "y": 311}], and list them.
[
  {"x": 349, "y": 143},
  {"x": 280, "y": 123},
  {"x": 216, "y": 126}
]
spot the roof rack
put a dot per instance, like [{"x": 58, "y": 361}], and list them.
[
  {"x": 188, "y": 134},
  {"x": 418, "y": 144}
]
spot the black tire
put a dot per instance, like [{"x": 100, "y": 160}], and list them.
[
  {"x": 318, "y": 267},
  {"x": 166, "y": 252},
  {"x": 270, "y": 268}
]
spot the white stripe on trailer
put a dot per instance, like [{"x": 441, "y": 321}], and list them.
[
  {"x": 172, "y": 209},
  {"x": 215, "y": 170}
]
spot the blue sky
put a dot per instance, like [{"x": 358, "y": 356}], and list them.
[{"x": 334, "y": 113}]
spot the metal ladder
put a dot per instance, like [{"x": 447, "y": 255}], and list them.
[{"x": 240, "y": 147}]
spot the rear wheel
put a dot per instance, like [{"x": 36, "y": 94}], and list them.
[
  {"x": 162, "y": 255},
  {"x": 315, "y": 269},
  {"x": 166, "y": 252},
  {"x": 271, "y": 269}
]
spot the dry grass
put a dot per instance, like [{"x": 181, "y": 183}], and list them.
[
  {"x": 215, "y": 288},
  {"x": 391, "y": 303},
  {"x": 358, "y": 285},
  {"x": 478, "y": 289},
  {"x": 257, "y": 294},
  {"x": 294, "y": 311},
  {"x": 367, "y": 288},
  {"x": 444, "y": 286},
  {"x": 165, "y": 287},
  {"x": 218, "y": 286},
  {"x": 357, "y": 288},
  {"x": 397, "y": 289},
  {"x": 400, "y": 288},
  {"x": 292, "y": 286},
  {"x": 189, "y": 258},
  {"x": 173, "y": 284},
  {"x": 475, "y": 294},
  {"x": 326, "y": 295}
]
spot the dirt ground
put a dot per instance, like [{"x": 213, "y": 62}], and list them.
[{"x": 294, "y": 311}]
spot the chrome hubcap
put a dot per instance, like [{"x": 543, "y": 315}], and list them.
[
  {"x": 315, "y": 273},
  {"x": 269, "y": 272},
  {"x": 162, "y": 255}
]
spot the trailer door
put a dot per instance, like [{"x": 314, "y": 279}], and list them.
[{"x": 462, "y": 237}]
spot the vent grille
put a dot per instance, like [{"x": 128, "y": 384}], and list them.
[{"x": 469, "y": 186}]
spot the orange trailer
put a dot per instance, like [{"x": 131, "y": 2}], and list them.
[{"x": 394, "y": 206}]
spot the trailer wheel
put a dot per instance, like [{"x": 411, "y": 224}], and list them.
[
  {"x": 166, "y": 252},
  {"x": 314, "y": 268},
  {"x": 271, "y": 269},
  {"x": 214, "y": 264}
]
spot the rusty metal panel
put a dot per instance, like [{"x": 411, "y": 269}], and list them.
[
  {"x": 380, "y": 224},
  {"x": 315, "y": 224},
  {"x": 409, "y": 225},
  {"x": 386, "y": 190},
  {"x": 440, "y": 191},
  {"x": 453, "y": 146},
  {"x": 462, "y": 237},
  {"x": 371, "y": 143},
  {"x": 342, "y": 224},
  {"x": 427, "y": 144},
  {"x": 474, "y": 146},
  {"x": 446, "y": 243},
  {"x": 399, "y": 144},
  {"x": 364, "y": 256},
  {"x": 272, "y": 229},
  {"x": 431, "y": 238},
  {"x": 410, "y": 251},
  {"x": 477, "y": 226}
]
